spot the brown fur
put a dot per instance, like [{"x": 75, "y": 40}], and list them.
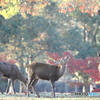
[
  {"x": 40, "y": 68},
  {"x": 44, "y": 71}
]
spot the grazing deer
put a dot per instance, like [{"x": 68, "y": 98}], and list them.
[
  {"x": 11, "y": 72},
  {"x": 44, "y": 71}
]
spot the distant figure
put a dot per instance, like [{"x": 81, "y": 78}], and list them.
[
  {"x": 94, "y": 85},
  {"x": 99, "y": 63}
]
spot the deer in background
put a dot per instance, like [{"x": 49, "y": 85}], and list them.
[
  {"x": 44, "y": 71},
  {"x": 12, "y": 72},
  {"x": 99, "y": 63}
]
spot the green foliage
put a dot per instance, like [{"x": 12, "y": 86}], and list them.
[
  {"x": 10, "y": 8},
  {"x": 73, "y": 39},
  {"x": 27, "y": 39},
  {"x": 86, "y": 50}
]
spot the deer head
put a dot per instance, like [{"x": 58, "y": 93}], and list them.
[{"x": 62, "y": 61}]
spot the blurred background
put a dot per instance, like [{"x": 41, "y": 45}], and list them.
[{"x": 45, "y": 30}]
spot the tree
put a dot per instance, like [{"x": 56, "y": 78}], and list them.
[
  {"x": 86, "y": 19},
  {"x": 5, "y": 58},
  {"x": 84, "y": 71},
  {"x": 91, "y": 7},
  {"x": 10, "y": 8},
  {"x": 38, "y": 26}
]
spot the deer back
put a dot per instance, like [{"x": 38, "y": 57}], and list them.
[
  {"x": 5, "y": 68},
  {"x": 42, "y": 71}
]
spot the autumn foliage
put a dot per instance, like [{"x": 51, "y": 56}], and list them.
[
  {"x": 32, "y": 7},
  {"x": 25, "y": 7},
  {"x": 88, "y": 66},
  {"x": 6, "y": 58},
  {"x": 85, "y": 6}
]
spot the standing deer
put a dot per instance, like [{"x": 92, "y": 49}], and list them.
[
  {"x": 99, "y": 63},
  {"x": 44, "y": 71},
  {"x": 11, "y": 72}
]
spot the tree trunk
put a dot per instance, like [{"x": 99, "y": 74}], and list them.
[
  {"x": 76, "y": 88},
  {"x": 22, "y": 87},
  {"x": 85, "y": 88},
  {"x": 84, "y": 32}
]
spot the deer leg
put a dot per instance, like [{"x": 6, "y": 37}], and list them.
[
  {"x": 9, "y": 83},
  {"x": 53, "y": 87},
  {"x": 29, "y": 84},
  {"x": 1, "y": 91},
  {"x": 31, "y": 89},
  {"x": 28, "y": 87},
  {"x": 33, "y": 84},
  {"x": 12, "y": 81},
  {"x": 0, "y": 78}
]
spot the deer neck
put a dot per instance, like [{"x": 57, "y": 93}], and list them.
[{"x": 61, "y": 70}]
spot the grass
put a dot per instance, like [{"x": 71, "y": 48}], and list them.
[
  {"x": 19, "y": 98},
  {"x": 45, "y": 96}
]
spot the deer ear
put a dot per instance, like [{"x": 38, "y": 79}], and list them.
[
  {"x": 62, "y": 58},
  {"x": 56, "y": 62},
  {"x": 67, "y": 57}
]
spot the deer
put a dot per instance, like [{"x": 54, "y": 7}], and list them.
[
  {"x": 44, "y": 71},
  {"x": 11, "y": 72}
]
